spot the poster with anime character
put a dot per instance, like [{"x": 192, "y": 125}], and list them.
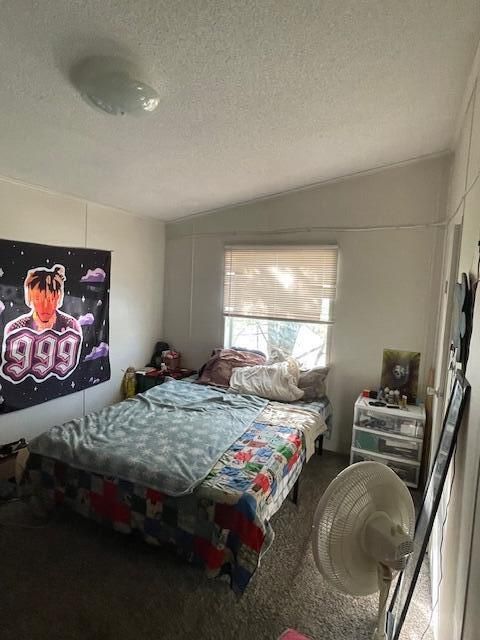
[{"x": 54, "y": 331}]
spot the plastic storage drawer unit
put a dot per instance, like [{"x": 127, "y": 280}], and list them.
[
  {"x": 392, "y": 436},
  {"x": 408, "y": 471},
  {"x": 401, "y": 425},
  {"x": 387, "y": 444}
]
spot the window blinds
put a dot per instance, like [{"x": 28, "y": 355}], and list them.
[{"x": 280, "y": 283}]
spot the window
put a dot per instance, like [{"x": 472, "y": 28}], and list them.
[{"x": 281, "y": 297}]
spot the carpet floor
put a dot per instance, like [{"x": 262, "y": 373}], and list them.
[{"x": 74, "y": 580}]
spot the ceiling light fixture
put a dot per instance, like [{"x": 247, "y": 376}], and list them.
[{"x": 105, "y": 85}]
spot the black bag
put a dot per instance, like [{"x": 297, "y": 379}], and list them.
[{"x": 156, "y": 359}]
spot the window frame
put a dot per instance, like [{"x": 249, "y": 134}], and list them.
[{"x": 329, "y": 323}]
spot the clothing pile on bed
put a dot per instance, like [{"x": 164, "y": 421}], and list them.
[{"x": 279, "y": 378}]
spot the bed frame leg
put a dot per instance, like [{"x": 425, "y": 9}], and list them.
[
  {"x": 319, "y": 447},
  {"x": 294, "y": 492}
]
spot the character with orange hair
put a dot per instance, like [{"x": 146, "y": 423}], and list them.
[{"x": 44, "y": 290}]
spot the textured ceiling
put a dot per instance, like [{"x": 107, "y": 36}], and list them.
[{"x": 257, "y": 96}]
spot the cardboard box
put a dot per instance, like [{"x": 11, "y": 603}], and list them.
[{"x": 14, "y": 466}]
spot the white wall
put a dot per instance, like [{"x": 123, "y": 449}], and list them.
[
  {"x": 35, "y": 215},
  {"x": 387, "y": 282},
  {"x": 457, "y": 611}
]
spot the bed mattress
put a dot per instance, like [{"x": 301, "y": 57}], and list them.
[{"x": 223, "y": 524}]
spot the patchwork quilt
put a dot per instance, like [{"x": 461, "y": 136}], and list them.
[{"x": 223, "y": 525}]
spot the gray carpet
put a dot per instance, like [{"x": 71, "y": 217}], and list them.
[{"x": 74, "y": 580}]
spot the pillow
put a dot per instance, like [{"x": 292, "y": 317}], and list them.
[
  {"x": 276, "y": 381},
  {"x": 313, "y": 382},
  {"x": 218, "y": 369}
]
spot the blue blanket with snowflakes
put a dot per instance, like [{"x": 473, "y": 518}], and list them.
[{"x": 168, "y": 438}]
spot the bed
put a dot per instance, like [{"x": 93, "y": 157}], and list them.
[{"x": 212, "y": 502}]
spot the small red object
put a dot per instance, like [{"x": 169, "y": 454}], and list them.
[
  {"x": 291, "y": 634},
  {"x": 156, "y": 373},
  {"x": 366, "y": 393}
]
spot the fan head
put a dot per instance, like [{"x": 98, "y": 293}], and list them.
[{"x": 364, "y": 519}]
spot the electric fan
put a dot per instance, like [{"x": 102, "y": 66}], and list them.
[{"x": 363, "y": 531}]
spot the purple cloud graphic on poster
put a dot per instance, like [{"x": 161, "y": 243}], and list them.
[
  {"x": 2, "y": 307},
  {"x": 97, "y": 352},
  {"x": 86, "y": 320},
  {"x": 94, "y": 275}
]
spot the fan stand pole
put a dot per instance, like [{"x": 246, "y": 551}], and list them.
[{"x": 385, "y": 577}]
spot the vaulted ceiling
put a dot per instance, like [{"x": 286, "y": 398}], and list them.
[{"x": 257, "y": 97}]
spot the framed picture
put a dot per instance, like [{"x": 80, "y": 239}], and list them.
[
  {"x": 400, "y": 372},
  {"x": 408, "y": 578}
]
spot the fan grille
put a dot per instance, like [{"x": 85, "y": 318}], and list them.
[{"x": 355, "y": 494}]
